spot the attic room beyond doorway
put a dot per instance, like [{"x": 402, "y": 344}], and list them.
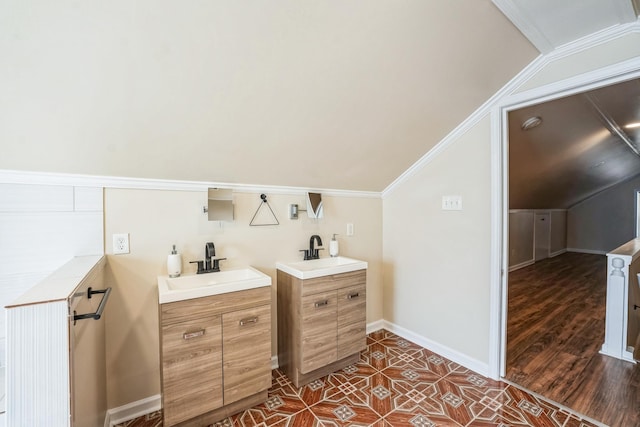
[
  {"x": 584, "y": 148},
  {"x": 578, "y": 150}
]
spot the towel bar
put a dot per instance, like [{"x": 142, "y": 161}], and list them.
[{"x": 98, "y": 313}]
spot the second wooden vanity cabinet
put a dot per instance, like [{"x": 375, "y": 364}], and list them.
[
  {"x": 215, "y": 355},
  {"x": 321, "y": 323}
]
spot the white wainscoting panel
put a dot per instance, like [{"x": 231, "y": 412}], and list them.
[
  {"x": 35, "y": 198},
  {"x": 39, "y": 365}
]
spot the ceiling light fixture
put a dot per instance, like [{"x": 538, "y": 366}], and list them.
[
  {"x": 531, "y": 122},
  {"x": 633, "y": 125}
]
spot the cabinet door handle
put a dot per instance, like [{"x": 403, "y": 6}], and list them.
[
  {"x": 354, "y": 295},
  {"x": 249, "y": 320},
  {"x": 321, "y": 303},
  {"x": 190, "y": 335}
]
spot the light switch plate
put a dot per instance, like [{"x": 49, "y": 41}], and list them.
[
  {"x": 451, "y": 203},
  {"x": 350, "y": 229}
]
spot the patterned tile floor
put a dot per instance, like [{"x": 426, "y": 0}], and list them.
[{"x": 396, "y": 383}]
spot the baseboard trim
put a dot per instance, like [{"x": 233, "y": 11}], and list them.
[
  {"x": 153, "y": 403},
  {"x": 451, "y": 354},
  {"x": 586, "y": 251},
  {"x": 556, "y": 253},
  {"x": 375, "y": 326},
  {"x": 132, "y": 410},
  {"x": 521, "y": 265}
]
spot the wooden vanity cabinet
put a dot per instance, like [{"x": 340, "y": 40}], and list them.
[
  {"x": 321, "y": 324},
  {"x": 215, "y": 356},
  {"x": 246, "y": 352}
]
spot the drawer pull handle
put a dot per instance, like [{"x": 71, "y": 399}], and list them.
[
  {"x": 354, "y": 295},
  {"x": 249, "y": 320},
  {"x": 322, "y": 303},
  {"x": 190, "y": 335}
]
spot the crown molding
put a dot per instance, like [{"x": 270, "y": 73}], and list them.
[
  {"x": 524, "y": 22},
  {"x": 48, "y": 178}
]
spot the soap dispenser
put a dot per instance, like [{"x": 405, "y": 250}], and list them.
[
  {"x": 333, "y": 246},
  {"x": 174, "y": 263}
]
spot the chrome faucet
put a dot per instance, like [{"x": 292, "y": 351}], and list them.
[
  {"x": 210, "y": 264},
  {"x": 312, "y": 252}
]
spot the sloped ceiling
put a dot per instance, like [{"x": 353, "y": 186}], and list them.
[
  {"x": 578, "y": 150},
  {"x": 327, "y": 94}
]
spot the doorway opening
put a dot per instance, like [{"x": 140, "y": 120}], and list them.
[{"x": 503, "y": 202}]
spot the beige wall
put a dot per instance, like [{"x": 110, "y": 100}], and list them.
[
  {"x": 157, "y": 219},
  {"x": 436, "y": 263},
  {"x": 91, "y": 87},
  {"x": 609, "y": 53}
]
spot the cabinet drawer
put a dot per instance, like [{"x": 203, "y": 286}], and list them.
[
  {"x": 333, "y": 282},
  {"x": 246, "y": 352},
  {"x": 191, "y": 368},
  {"x": 352, "y": 305},
  {"x": 183, "y": 341},
  {"x": 318, "y": 331}
]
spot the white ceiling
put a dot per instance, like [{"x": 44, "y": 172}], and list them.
[{"x": 549, "y": 24}]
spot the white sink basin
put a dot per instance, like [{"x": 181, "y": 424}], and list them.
[
  {"x": 171, "y": 289},
  {"x": 321, "y": 267}
]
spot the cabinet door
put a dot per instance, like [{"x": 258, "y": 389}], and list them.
[
  {"x": 191, "y": 368},
  {"x": 352, "y": 320},
  {"x": 318, "y": 331},
  {"x": 246, "y": 352}
]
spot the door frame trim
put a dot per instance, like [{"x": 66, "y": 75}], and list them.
[{"x": 604, "y": 76}]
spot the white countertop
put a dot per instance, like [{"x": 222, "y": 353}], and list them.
[
  {"x": 320, "y": 267},
  {"x": 60, "y": 284}
]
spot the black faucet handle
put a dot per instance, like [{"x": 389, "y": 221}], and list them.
[
  {"x": 307, "y": 254},
  {"x": 200, "y": 265},
  {"x": 216, "y": 263}
]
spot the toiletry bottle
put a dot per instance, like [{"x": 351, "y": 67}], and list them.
[
  {"x": 174, "y": 263},
  {"x": 333, "y": 246}
]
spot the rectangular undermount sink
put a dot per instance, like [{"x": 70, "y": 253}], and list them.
[
  {"x": 171, "y": 289},
  {"x": 321, "y": 267}
]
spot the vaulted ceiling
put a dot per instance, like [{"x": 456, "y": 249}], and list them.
[
  {"x": 586, "y": 143},
  {"x": 333, "y": 95},
  {"x": 325, "y": 94}
]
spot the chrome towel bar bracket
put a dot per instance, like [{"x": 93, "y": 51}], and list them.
[{"x": 98, "y": 313}]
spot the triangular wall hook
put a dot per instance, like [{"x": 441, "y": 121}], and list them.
[{"x": 262, "y": 203}]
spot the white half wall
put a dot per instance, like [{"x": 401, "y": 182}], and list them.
[{"x": 43, "y": 227}]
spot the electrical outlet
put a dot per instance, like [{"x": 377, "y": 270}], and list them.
[{"x": 121, "y": 243}]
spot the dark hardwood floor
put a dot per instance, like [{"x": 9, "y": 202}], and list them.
[{"x": 555, "y": 328}]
